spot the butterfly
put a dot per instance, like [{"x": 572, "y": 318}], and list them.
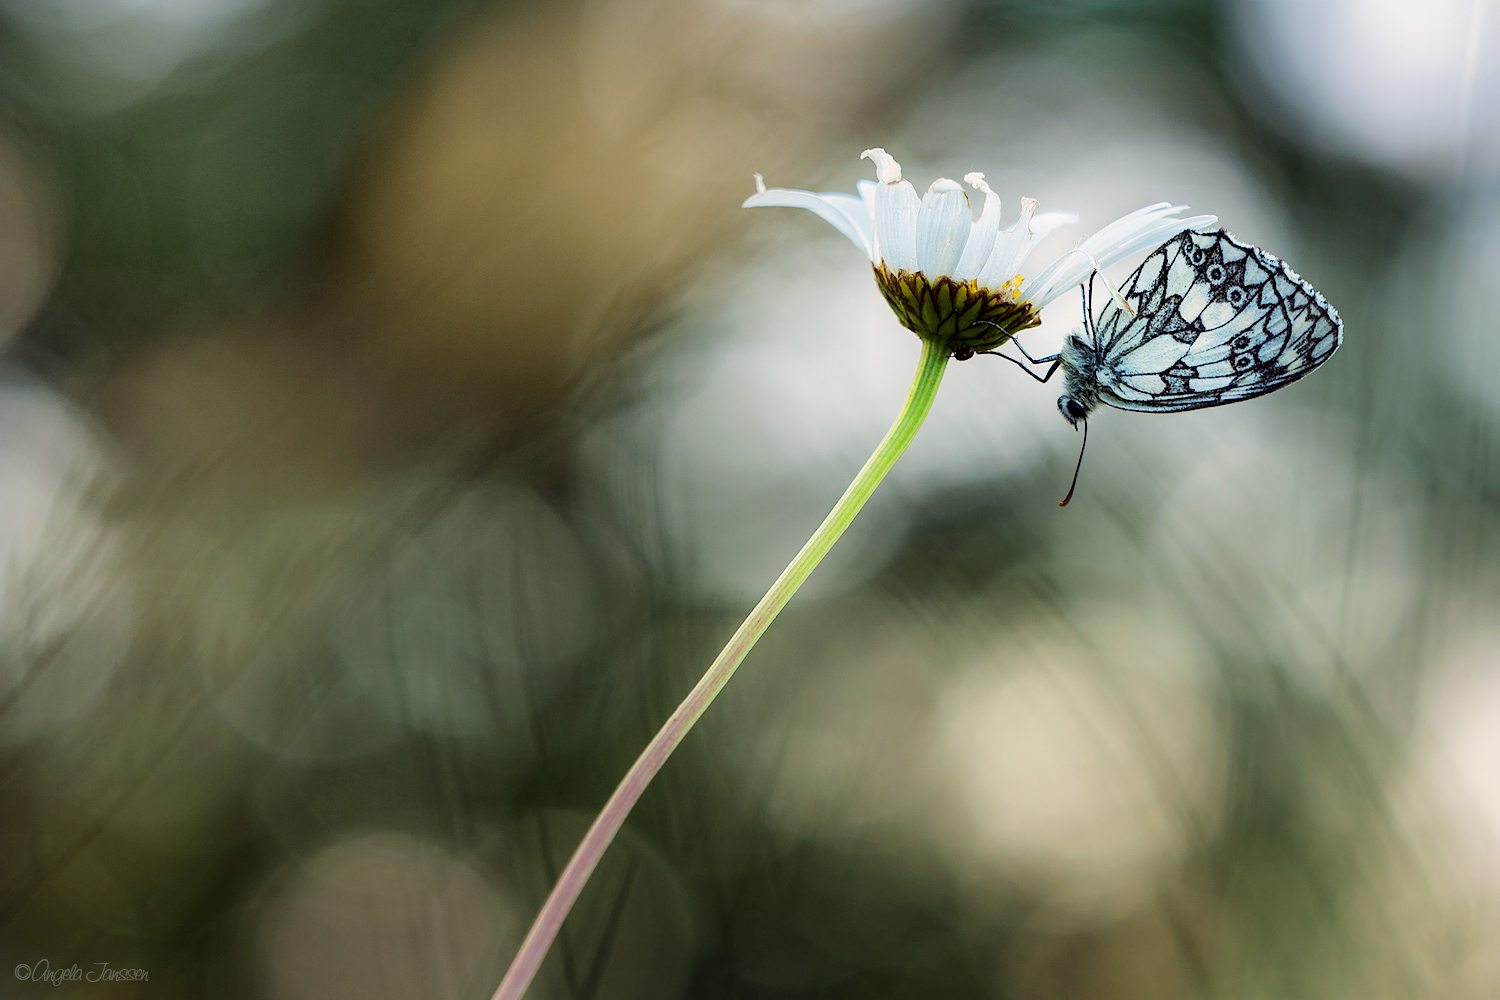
[{"x": 1205, "y": 320}]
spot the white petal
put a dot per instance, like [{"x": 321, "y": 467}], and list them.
[
  {"x": 1155, "y": 236},
  {"x": 886, "y": 167},
  {"x": 942, "y": 228},
  {"x": 1056, "y": 278},
  {"x": 859, "y": 212},
  {"x": 1010, "y": 249},
  {"x": 1072, "y": 268},
  {"x": 982, "y": 234},
  {"x": 1127, "y": 226},
  {"x": 844, "y": 212},
  {"x": 1140, "y": 230},
  {"x": 896, "y": 210},
  {"x": 1043, "y": 224}
]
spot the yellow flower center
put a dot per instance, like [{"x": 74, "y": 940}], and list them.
[{"x": 958, "y": 314}]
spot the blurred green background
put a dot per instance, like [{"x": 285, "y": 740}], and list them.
[{"x": 397, "y": 412}]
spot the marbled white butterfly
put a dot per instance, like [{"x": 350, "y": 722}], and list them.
[{"x": 1210, "y": 320}]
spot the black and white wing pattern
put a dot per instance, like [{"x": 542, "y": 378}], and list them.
[{"x": 1216, "y": 321}]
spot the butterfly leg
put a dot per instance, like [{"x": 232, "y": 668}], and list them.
[
  {"x": 1028, "y": 357},
  {"x": 1053, "y": 358},
  {"x": 1022, "y": 365}
]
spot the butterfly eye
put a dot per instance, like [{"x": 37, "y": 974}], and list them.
[
  {"x": 1240, "y": 343},
  {"x": 1197, "y": 256},
  {"x": 1236, "y": 296},
  {"x": 1216, "y": 274}
]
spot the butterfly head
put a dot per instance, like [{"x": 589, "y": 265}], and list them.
[{"x": 1072, "y": 410}]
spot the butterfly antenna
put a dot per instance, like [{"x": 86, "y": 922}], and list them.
[
  {"x": 1088, "y": 308},
  {"x": 1114, "y": 292},
  {"x": 1074, "y": 485}
]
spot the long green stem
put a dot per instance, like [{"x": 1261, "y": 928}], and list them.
[{"x": 549, "y": 921}]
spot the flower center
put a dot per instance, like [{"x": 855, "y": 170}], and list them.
[{"x": 959, "y": 314}]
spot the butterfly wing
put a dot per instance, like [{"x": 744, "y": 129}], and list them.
[{"x": 1216, "y": 321}]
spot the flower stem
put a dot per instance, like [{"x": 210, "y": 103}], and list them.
[{"x": 549, "y": 921}]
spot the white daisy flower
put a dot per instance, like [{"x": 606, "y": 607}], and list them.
[{"x": 956, "y": 280}]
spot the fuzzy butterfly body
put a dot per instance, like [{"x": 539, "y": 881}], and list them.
[{"x": 1215, "y": 321}]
